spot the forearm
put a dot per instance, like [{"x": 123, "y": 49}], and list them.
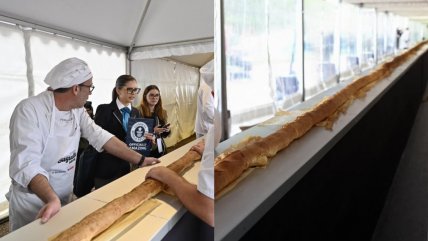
[
  {"x": 41, "y": 187},
  {"x": 196, "y": 202},
  {"x": 118, "y": 148}
]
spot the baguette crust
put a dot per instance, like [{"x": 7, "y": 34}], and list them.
[{"x": 229, "y": 168}]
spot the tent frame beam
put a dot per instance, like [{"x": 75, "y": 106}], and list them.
[
  {"x": 134, "y": 39},
  {"x": 177, "y": 43}
]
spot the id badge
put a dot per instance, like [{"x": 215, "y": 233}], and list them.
[{"x": 159, "y": 143}]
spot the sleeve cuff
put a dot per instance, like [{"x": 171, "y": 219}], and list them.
[
  {"x": 24, "y": 176},
  {"x": 103, "y": 140}
]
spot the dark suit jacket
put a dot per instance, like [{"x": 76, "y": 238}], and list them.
[{"x": 109, "y": 117}]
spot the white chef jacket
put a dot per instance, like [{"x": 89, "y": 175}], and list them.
[
  {"x": 38, "y": 146},
  {"x": 205, "y": 109},
  {"x": 206, "y": 171},
  {"x": 29, "y": 130}
]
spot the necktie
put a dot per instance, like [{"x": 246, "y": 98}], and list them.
[{"x": 125, "y": 117}]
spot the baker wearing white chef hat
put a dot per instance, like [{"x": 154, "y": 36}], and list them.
[{"x": 44, "y": 138}]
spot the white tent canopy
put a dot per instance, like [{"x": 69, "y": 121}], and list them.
[
  {"x": 118, "y": 22},
  {"x": 148, "y": 25}
]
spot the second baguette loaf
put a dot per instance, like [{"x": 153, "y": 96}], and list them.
[{"x": 230, "y": 166}]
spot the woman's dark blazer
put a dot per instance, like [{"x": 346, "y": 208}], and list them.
[{"x": 109, "y": 117}]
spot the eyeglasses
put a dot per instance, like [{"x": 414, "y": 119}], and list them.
[
  {"x": 91, "y": 87},
  {"x": 133, "y": 90},
  {"x": 154, "y": 95}
]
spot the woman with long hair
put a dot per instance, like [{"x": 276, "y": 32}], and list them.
[
  {"x": 113, "y": 118},
  {"x": 151, "y": 107}
]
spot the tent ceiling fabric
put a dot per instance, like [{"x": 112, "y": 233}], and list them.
[
  {"x": 414, "y": 9},
  {"x": 169, "y": 21},
  {"x": 190, "y": 52},
  {"x": 196, "y": 60},
  {"x": 116, "y": 22}
]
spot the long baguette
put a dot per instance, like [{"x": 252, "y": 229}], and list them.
[
  {"x": 99, "y": 220},
  {"x": 230, "y": 166}
]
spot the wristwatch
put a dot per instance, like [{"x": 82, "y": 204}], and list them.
[{"x": 141, "y": 160}]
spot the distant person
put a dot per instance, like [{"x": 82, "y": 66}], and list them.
[
  {"x": 405, "y": 39},
  {"x": 397, "y": 38},
  {"x": 151, "y": 107},
  {"x": 84, "y": 143},
  {"x": 114, "y": 118},
  {"x": 89, "y": 109},
  {"x": 44, "y": 137},
  {"x": 205, "y": 105}
]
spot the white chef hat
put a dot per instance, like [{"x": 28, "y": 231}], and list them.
[
  {"x": 72, "y": 71},
  {"x": 207, "y": 74}
]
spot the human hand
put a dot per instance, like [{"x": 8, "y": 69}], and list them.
[
  {"x": 148, "y": 135},
  {"x": 49, "y": 210},
  {"x": 199, "y": 147},
  {"x": 160, "y": 173},
  {"x": 161, "y": 129},
  {"x": 167, "y": 127},
  {"x": 152, "y": 137},
  {"x": 150, "y": 161}
]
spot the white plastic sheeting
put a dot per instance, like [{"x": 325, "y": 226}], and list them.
[
  {"x": 14, "y": 88},
  {"x": 106, "y": 63},
  {"x": 178, "y": 85}
]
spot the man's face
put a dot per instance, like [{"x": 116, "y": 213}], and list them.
[{"x": 84, "y": 92}]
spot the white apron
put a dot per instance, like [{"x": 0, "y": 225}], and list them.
[{"x": 59, "y": 160}]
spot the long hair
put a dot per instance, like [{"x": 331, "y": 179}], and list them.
[
  {"x": 120, "y": 82},
  {"x": 158, "y": 111}
]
